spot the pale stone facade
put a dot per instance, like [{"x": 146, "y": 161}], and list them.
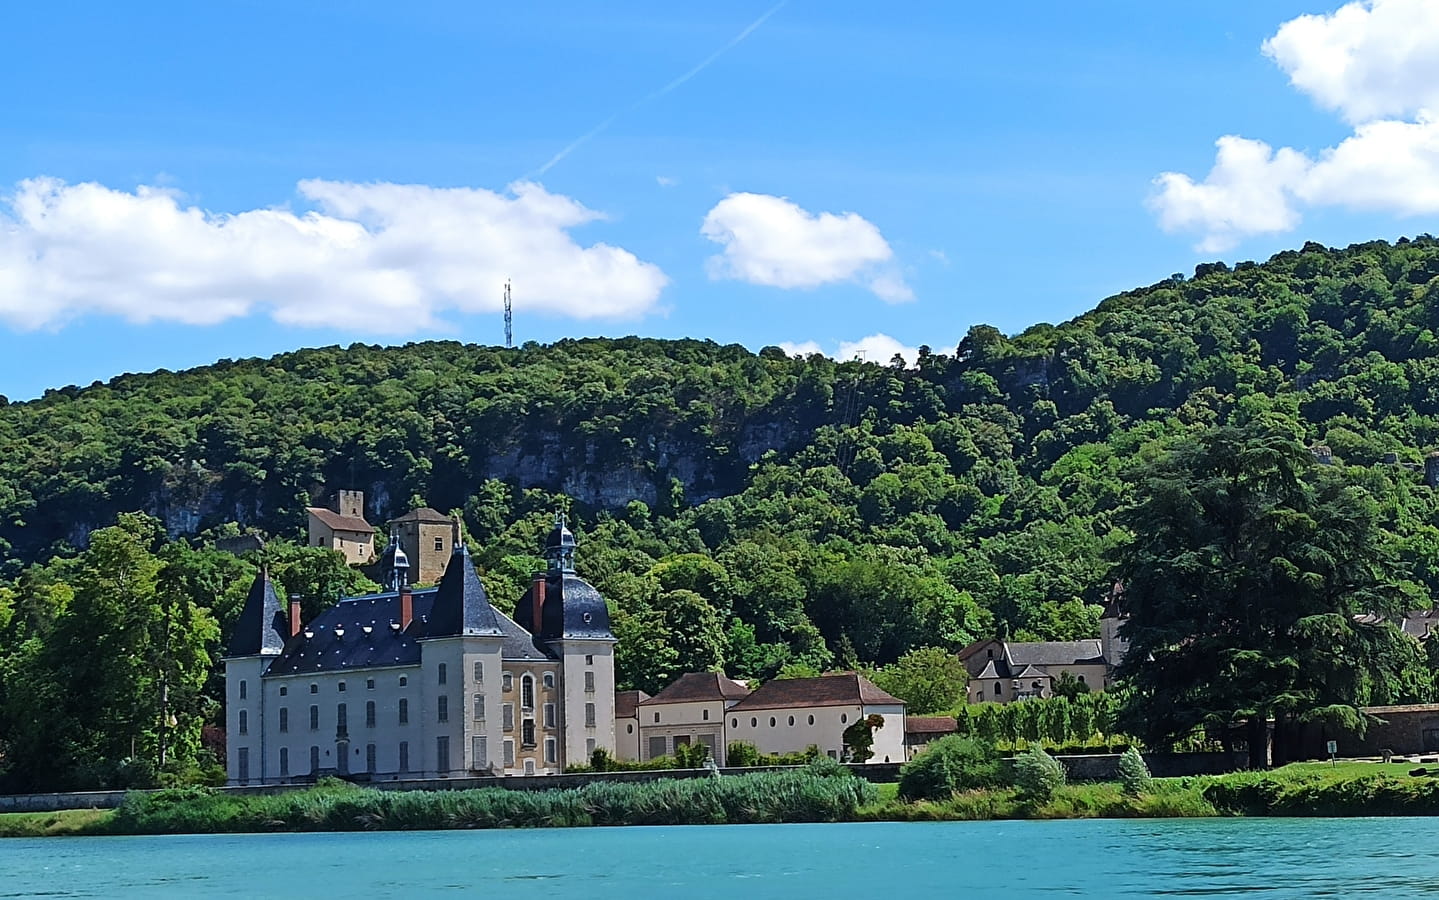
[{"x": 418, "y": 683}]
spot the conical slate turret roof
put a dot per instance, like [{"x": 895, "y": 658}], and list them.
[{"x": 262, "y": 627}]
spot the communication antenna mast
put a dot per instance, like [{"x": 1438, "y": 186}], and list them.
[{"x": 509, "y": 318}]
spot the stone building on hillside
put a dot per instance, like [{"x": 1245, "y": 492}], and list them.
[
  {"x": 418, "y": 683},
  {"x": 344, "y": 528},
  {"x": 426, "y": 537},
  {"x": 1003, "y": 671}
]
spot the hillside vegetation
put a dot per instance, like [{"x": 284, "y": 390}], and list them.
[{"x": 754, "y": 512}]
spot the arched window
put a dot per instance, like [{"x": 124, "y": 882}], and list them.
[
  {"x": 527, "y": 692},
  {"x": 996, "y": 689}
]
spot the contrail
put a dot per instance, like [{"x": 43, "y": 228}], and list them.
[{"x": 651, "y": 97}]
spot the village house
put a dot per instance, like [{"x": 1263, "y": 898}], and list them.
[
  {"x": 422, "y": 683},
  {"x": 343, "y": 528},
  {"x": 782, "y": 716},
  {"x": 789, "y": 715},
  {"x": 689, "y": 711},
  {"x": 1004, "y": 671}
]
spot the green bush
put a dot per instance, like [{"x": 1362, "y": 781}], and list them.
[
  {"x": 1037, "y": 774},
  {"x": 1133, "y": 773},
  {"x": 950, "y": 764},
  {"x": 741, "y": 754}
]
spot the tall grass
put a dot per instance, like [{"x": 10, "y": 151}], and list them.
[{"x": 798, "y": 796}]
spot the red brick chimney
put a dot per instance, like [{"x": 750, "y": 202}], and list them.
[
  {"x": 407, "y": 607},
  {"x": 294, "y": 616},
  {"x": 537, "y": 603}
]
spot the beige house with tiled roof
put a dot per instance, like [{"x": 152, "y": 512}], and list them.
[
  {"x": 344, "y": 528},
  {"x": 793, "y": 714},
  {"x": 689, "y": 711}
]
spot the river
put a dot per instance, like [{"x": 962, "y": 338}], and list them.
[{"x": 1005, "y": 860}]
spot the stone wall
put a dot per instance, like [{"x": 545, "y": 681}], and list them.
[
  {"x": 1406, "y": 730},
  {"x": 1105, "y": 766}
]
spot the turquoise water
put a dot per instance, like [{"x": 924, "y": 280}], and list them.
[{"x": 1003, "y": 860}]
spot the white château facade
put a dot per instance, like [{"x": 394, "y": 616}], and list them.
[{"x": 422, "y": 683}]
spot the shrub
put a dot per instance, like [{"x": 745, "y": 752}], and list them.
[
  {"x": 950, "y": 764},
  {"x": 1037, "y": 774},
  {"x": 1133, "y": 773},
  {"x": 741, "y": 754}
]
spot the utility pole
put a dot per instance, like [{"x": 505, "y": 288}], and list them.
[{"x": 509, "y": 318}]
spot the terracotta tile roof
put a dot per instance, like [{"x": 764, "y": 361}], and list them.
[
  {"x": 424, "y": 514},
  {"x": 847, "y": 689},
  {"x": 693, "y": 687},
  {"x": 336, "y": 522},
  {"x": 930, "y": 725},
  {"x": 626, "y": 701}
]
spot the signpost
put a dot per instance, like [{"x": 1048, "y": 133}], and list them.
[{"x": 1333, "y": 753}]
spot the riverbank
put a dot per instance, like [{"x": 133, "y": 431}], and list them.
[{"x": 1305, "y": 789}]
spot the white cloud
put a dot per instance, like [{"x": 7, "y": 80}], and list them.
[
  {"x": 877, "y": 348},
  {"x": 771, "y": 241},
  {"x": 1247, "y": 192},
  {"x": 666, "y": 181},
  {"x": 1367, "y": 61},
  {"x": 383, "y": 258}
]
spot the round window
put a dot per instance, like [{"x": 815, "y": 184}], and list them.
[
  {"x": 771, "y": 721},
  {"x": 587, "y": 617},
  {"x": 791, "y": 720},
  {"x": 843, "y": 717},
  {"x": 734, "y": 723},
  {"x": 811, "y": 720},
  {"x": 753, "y": 722},
  {"x": 630, "y": 729}
]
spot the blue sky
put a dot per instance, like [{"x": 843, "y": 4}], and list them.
[{"x": 184, "y": 182}]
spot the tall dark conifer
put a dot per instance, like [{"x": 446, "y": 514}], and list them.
[{"x": 1250, "y": 568}]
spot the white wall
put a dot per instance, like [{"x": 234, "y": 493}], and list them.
[
  {"x": 577, "y": 658},
  {"x": 822, "y": 726},
  {"x": 691, "y": 719}
]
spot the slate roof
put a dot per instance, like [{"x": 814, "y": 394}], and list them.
[
  {"x": 1055, "y": 653},
  {"x": 930, "y": 725},
  {"x": 573, "y": 610},
  {"x": 263, "y": 624},
  {"x": 695, "y": 687},
  {"x": 991, "y": 670},
  {"x": 336, "y": 522},
  {"x": 424, "y": 514},
  {"x": 846, "y": 689},
  {"x": 626, "y": 701},
  {"x": 337, "y": 640},
  {"x": 1032, "y": 672},
  {"x": 461, "y": 605}
]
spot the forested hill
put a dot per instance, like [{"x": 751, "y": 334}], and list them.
[{"x": 857, "y": 509}]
